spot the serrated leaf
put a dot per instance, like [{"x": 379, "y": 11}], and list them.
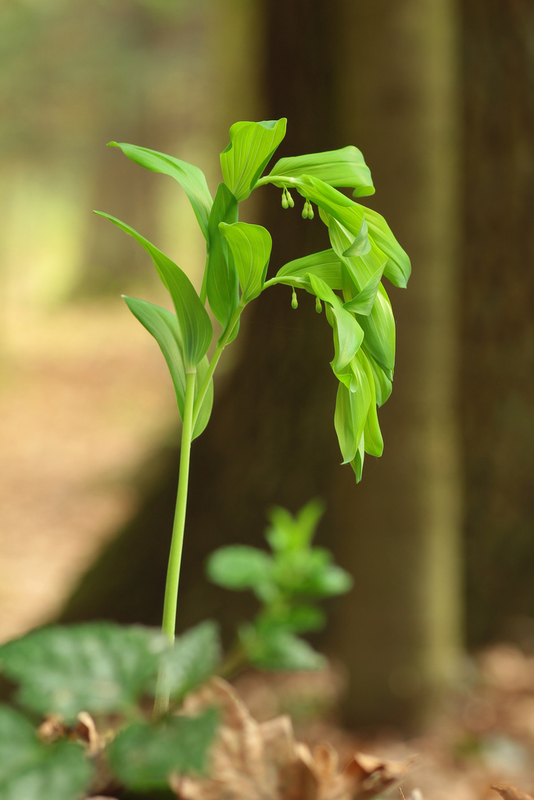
[
  {"x": 221, "y": 276},
  {"x": 251, "y": 248},
  {"x": 195, "y": 325},
  {"x": 191, "y": 178},
  {"x": 398, "y": 267},
  {"x": 280, "y": 651},
  {"x": 251, "y": 146},
  {"x": 325, "y": 265},
  {"x": 239, "y": 567},
  {"x": 348, "y": 335},
  {"x": 192, "y": 659},
  {"x": 344, "y": 167},
  {"x": 97, "y": 667},
  {"x": 163, "y": 326},
  {"x": 144, "y": 756},
  {"x": 31, "y": 770}
]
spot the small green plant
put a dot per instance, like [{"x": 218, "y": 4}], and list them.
[
  {"x": 288, "y": 585},
  {"x": 346, "y": 278},
  {"x": 110, "y": 672}
]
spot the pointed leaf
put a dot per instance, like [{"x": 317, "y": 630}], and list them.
[
  {"x": 398, "y": 267},
  {"x": 358, "y": 270},
  {"x": 221, "y": 276},
  {"x": 352, "y": 407},
  {"x": 163, "y": 326},
  {"x": 251, "y": 248},
  {"x": 344, "y": 167},
  {"x": 357, "y": 463},
  {"x": 195, "y": 325},
  {"x": 382, "y": 383},
  {"x": 96, "y": 667},
  {"x": 251, "y": 146},
  {"x": 361, "y": 244},
  {"x": 364, "y": 301},
  {"x": 193, "y": 658},
  {"x": 143, "y": 756},
  {"x": 348, "y": 334},
  {"x": 190, "y": 178},
  {"x": 31, "y": 770},
  {"x": 280, "y": 651},
  {"x": 324, "y": 265}
]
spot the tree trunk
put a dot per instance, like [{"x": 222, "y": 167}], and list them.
[{"x": 498, "y": 325}]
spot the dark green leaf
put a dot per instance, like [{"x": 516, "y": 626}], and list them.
[
  {"x": 239, "y": 567},
  {"x": 221, "y": 275},
  {"x": 195, "y": 325},
  {"x": 193, "y": 658},
  {"x": 163, "y": 326},
  {"x": 31, "y": 770},
  {"x": 190, "y": 178},
  {"x": 144, "y": 756},
  {"x": 251, "y": 248},
  {"x": 251, "y": 146},
  {"x": 96, "y": 667},
  {"x": 344, "y": 167}
]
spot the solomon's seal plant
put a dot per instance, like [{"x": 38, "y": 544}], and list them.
[
  {"x": 109, "y": 672},
  {"x": 346, "y": 278}
]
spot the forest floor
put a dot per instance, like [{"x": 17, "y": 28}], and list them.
[{"x": 84, "y": 400}]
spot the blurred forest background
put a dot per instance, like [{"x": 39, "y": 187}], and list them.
[{"x": 439, "y": 96}]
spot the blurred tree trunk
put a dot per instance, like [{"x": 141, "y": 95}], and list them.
[
  {"x": 271, "y": 438},
  {"x": 498, "y": 324}
]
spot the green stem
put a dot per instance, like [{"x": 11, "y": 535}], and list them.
[
  {"x": 170, "y": 602},
  {"x": 221, "y": 344}
]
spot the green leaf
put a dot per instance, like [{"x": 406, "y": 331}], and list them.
[
  {"x": 195, "y": 325},
  {"x": 31, "y": 770},
  {"x": 190, "y": 178},
  {"x": 348, "y": 334},
  {"x": 97, "y": 667},
  {"x": 383, "y": 384},
  {"x": 163, "y": 326},
  {"x": 379, "y": 332},
  {"x": 251, "y": 146},
  {"x": 357, "y": 271},
  {"x": 239, "y": 567},
  {"x": 364, "y": 301},
  {"x": 144, "y": 756},
  {"x": 398, "y": 267},
  {"x": 251, "y": 248},
  {"x": 333, "y": 581},
  {"x": 193, "y": 658},
  {"x": 361, "y": 244},
  {"x": 344, "y": 167},
  {"x": 289, "y": 533},
  {"x": 296, "y": 619},
  {"x": 279, "y": 650},
  {"x": 221, "y": 276},
  {"x": 325, "y": 265},
  {"x": 352, "y": 407}
]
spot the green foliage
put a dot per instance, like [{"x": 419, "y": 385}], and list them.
[
  {"x": 107, "y": 670},
  {"x": 347, "y": 278},
  {"x": 143, "y": 756},
  {"x": 288, "y": 584},
  {"x": 32, "y": 770}
]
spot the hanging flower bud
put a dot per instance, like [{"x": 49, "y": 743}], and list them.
[
  {"x": 318, "y": 305},
  {"x": 285, "y": 203},
  {"x": 290, "y": 200},
  {"x": 310, "y": 211},
  {"x": 305, "y": 210},
  {"x": 294, "y": 301}
]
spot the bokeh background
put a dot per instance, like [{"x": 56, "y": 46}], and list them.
[{"x": 440, "y": 534}]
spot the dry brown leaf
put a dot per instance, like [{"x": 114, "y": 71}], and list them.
[
  {"x": 510, "y": 792},
  {"x": 253, "y": 761}
]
